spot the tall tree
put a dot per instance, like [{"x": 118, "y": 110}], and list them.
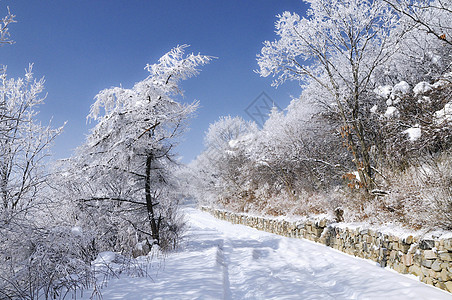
[
  {"x": 339, "y": 46},
  {"x": 134, "y": 138}
]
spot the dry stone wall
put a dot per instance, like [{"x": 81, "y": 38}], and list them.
[{"x": 429, "y": 259}]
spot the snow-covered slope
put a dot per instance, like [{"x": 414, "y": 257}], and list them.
[{"x": 224, "y": 261}]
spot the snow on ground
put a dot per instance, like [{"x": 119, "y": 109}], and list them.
[{"x": 220, "y": 260}]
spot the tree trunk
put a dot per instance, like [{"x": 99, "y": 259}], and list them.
[
  {"x": 150, "y": 200},
  {"x": 348, "y": 128}
]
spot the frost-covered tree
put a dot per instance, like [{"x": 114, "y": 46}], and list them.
[
  {"x": 300, "y": 148},
  {"x": 216, "y": 171},
  {"x": 227, "y": 129},
  {"x": 126, "y": 160},
  {"x": 4, "y": 28},
  {"x": 5, "y": 37},
  {"x": 24, "y": 144},
  {"x": 339, "y": 46},
  {"x": 430, "y": 16},
  {"x": 27, "y": 265},
  {"x": 423, "y": 52},
  {"x": 412, "y": 86},
  {"x": 37, "y": 254}
]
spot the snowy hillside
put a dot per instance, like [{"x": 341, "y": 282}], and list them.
[{"x": 219, "y": 260}]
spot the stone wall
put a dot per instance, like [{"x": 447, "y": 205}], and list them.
[{"x": 429, "y": 259}]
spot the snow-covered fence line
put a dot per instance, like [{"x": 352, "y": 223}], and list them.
[{"x": 428, "y": 257}]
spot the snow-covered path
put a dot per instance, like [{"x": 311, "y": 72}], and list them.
[{"x": 224, "y": 261}]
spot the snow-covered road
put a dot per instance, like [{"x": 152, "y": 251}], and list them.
[{"x": 224, "y": 261}]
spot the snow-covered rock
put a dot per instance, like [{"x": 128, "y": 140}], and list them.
[
  {"x": 414, "y": 133},
  {"x": 444, "y": 114},
  {"x": 77, "y": 230},
  {"x": 374, "y": 109},
  {"x": 422, "y": 88},
  {"x": 401, "y": 88},
  {"x": 356, "y": 173},
  {"x": 105, "y": 257},
  {"x": 391, "y": 111},
  {"x": 445, "y": 79},
  {"x": 383, "y": 91}
]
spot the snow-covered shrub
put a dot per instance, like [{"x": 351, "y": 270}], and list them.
[
  {"x": 43, "y": 259},
  {"x": 418, "y": 195},
  {"x": 173, "y": 223}
]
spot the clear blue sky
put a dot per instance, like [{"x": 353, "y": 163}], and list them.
[{"x": 84, "y": 46}]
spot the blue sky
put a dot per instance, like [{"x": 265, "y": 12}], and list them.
[{"x": 82, "y": 47}]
